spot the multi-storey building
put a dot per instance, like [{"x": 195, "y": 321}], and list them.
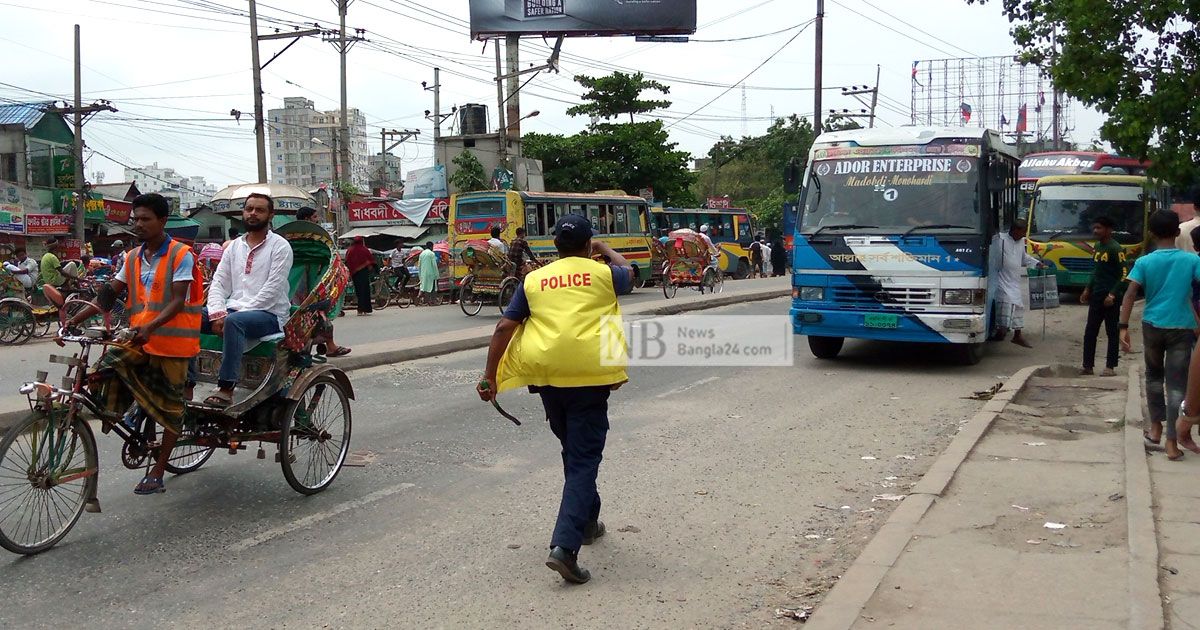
[
  {"x": 302, "y": 140},
  {"x": 190, "y": 191}
]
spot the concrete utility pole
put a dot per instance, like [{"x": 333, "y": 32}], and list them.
[
  {"x": 260, "y": 132},
  {"x": 80, "y": 114},
  {"x": 512, "y": 50},
  {"x": 858, "y": 91},
  {"x": 501, "y": 127},
  {"x": 343, "y": 44},
  {"x": 818, "y": 74}
]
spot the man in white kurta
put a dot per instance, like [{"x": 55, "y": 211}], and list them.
[{"x": 1007, "y": 262}]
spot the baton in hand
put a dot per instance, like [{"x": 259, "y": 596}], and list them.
[{"x": 485, "y": 386}]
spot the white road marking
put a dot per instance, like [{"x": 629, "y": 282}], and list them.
[
  {"x": 680, "y": 390},
  {"x": 312, "y": 519}
]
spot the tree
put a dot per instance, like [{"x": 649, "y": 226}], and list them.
[
  {"x": 626, "y": 156},
  {"x": 616, "y": 95},
  {"x": 1135, "y": 62},
  {"x": 469, "y": 175},
  {"x": 751, "y": 170}
]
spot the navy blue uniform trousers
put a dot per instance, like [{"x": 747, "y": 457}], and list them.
[{"x": 579, "y": 418}]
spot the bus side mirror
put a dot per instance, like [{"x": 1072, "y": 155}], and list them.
[
  {"x": 997, "y": 175},
  {"x": 791, "y": 177}
]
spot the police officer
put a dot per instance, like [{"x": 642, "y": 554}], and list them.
[{"x": 550, "y": 340}]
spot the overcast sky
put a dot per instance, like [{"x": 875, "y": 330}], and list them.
[{"x": 175, "y": 70}]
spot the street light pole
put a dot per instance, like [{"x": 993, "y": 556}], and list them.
[{"x": 817, "y": 77}]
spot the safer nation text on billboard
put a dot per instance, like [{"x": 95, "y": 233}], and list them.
[{"x": 492, "y": 18}]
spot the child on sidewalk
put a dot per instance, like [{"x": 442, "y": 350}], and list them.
[{"x": 1168, "y": 324}]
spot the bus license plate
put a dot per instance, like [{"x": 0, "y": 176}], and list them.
[{"x": 876, "y": 320}]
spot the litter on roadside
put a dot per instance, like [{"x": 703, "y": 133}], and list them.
[
  {"x": 812, "y": 536},
  {"x": 798, "y": 614},
  {"x": 986, "y": 394},
  {"x": 1050, "y": 525},
  {"x": 1033, "y": 541},
  {"x": 908, "y": 457},
  {"x": 1035, "y": 443},
  {"x": 1022, "y": 508},
  {"x": 890, "y": 478},
  {"x": 887, "y": 497},
  {"x": 868, "y": 457}
]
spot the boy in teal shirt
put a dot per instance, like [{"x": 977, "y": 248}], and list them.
[{"x": 1168, "y": 324}]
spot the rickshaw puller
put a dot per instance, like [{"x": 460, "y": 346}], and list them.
[{"x": 165, "y": 319}]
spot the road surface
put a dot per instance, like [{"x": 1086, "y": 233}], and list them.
[{"x": 728, "y": 493}]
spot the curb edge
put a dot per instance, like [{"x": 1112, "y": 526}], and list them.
[
  {"x": 1145, "y": 595},
  {"x": 844, "y": 603}
]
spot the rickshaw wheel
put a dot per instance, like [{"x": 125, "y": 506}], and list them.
[
  {"x": 40, "y": 511},
  {"x": 316, "y": 436},
  {"x": 639, "y": 282},
  {"x": 508, "y": 289},
  {"x": 668, "y": 286},
  {"x": 186, "y": 459},
  {"x": 709, "y": 281},
  {"x": 469, "y": 301},
  {"x": 17, "y": 322}
]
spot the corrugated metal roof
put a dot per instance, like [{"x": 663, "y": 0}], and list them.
[{"x": 28, "y": 114}]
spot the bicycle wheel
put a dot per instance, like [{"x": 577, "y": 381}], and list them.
[
  {"x": 316, "y": 436},
  {"x": 17, "y": 322},
  {"x": 186, "y": 458},
  {"x": 709, "y": 281},
  {"x": 47, "y": 473},
  {"x": 469, "y": 301},
  {"x": 381, "y": 293},
  {"x": 508, "y": 289},
  {"x": 719, "y": 285}
]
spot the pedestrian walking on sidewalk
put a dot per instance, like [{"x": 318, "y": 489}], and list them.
[
  {"x": 360, "y": 261},
  {"x": 1168, "y": 321},
  {"x": 427, "y": 273},
  {"x": 1103, "y": 291},
  {"x": 561, "y": 337},
  {"x": 1008, "y": 261}
]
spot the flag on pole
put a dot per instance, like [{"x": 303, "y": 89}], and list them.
[
  {"x": 1022, "y": 119},
  {"x": 1041, "y": 101},
  {"x": 1003, "y": 120},
  {"x": 966, "y": 112},
  {"x": 914, "y": 73}
]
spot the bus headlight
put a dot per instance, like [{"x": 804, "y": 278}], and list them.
[
  {"x": 812, "y": 294},
  {"x": 963, "y": 297}
]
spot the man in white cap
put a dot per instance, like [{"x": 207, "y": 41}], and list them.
[{"x": 1007, "y": 262}]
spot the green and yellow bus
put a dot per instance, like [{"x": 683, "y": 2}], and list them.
[
  {"x": 620, "y": 220},
  {"x": 1064, "y": 208},
  {"x": 731, "y": 230}
]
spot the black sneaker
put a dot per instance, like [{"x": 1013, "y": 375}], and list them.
[
  {"x": 593, "y": 531},
  {"x": 565, "y": 562}
]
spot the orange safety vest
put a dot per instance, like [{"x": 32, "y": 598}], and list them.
[{"x": 180, "y": 336}]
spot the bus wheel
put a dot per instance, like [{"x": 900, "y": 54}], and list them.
[
  {"x": 971, "y": 353},
  {"x": 743, "y": 270},
  {"x": 825, "y": 347}
]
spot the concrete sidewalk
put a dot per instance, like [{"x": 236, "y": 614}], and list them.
[
  {"x": 1038, "y": 515},
  {"x": 368, "y": 355}
]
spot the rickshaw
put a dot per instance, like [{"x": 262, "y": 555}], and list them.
[
  {"x": 50, "y": 459},
  {"x": 410, "y": 293},
  {"x": 22, "y": 317},
  {"x": 489, "y": 276},
  {"x": 688, "y": 264}
]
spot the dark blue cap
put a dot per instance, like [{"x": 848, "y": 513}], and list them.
[{"x": 572, "y": 231}]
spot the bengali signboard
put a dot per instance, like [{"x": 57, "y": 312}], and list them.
[
  {"x": 415, "y": 212},
  {"x": 15, "y": 203},
  {"x": 64, "y": 172},
  {"x": 117, "y": 211},
  {"x": 720, "y": 203},
  {"x": 493, "y": 18},
  {"x": 48, "y": 224}
]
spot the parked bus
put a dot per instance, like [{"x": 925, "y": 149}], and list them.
[
  {"x": 1038, "y": 165},
  {"x": 893, "y": 236},
  {"x": 731, "y": 230},
  {"x": 1065, "y": 207},
  {"x": 620, "y": 220}
]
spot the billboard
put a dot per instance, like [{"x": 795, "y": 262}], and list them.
[{"x": 491, "y": 18}]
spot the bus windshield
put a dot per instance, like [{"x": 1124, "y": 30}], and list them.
[
  {"x": 893, "y": 195},
  {"x": 1070, "y": 210}
]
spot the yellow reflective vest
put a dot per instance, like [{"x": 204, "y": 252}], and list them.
[{"x": 573, "y": 337}]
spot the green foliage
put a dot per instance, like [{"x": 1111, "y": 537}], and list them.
[
  {"x": 751, "y": 170},
  {"x": 616, "y": 95},
  {"x": 1135, "y": 62},
  {"x": 626, "y": 156},
  {"x": 469, "y": 176}
]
